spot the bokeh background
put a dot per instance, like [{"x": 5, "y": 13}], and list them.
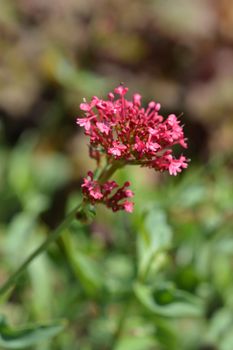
[{"x": 54, "y": 53}]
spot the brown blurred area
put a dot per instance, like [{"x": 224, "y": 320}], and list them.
[{"x": 180, "y": 53}]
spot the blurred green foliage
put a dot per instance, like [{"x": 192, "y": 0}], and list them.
[
  {"x": 168, "y": 266},
  {"x": 160, "y": 278}
]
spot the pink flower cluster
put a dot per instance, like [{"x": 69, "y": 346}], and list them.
[
  {"x": 102, "y": 193},
  {"x": 123, "y": 131}
]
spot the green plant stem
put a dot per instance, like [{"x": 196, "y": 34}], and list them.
[
  {"x": 51, "y": 238},
  {"x": 109, "y": 171},
  {"x": 104, "y": 175}
]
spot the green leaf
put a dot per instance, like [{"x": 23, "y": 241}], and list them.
[
  {"x": 220, "y": 328},
  {"x": 168, "y": 302},
  {"x": 136, "y": 343},
  {"x": 21, "y": 338},
  {"x": 19, "y": 234},
  {"x": 154, "y": 238},
  {"x": 118, "y": 273},
  {"x": 227, "y": 342},
  {"x": 166, "y": 335},
  {"x": 87, "y": 272},
  {"x": 20, "y": 169},
  {"x": 41, "y": 276},
  {"x": 83, "y": 266}
]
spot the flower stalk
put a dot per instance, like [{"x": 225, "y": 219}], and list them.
[
  {"x": 121, "y": 133},
  {"x": 51, "y": 238},
  {"x": 79, "y": 213}
]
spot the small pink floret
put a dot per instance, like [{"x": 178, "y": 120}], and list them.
[
  {"x": 111, "y": 96},
  {"x": 172, "y": 119},
  {"x": 176, "y": 165},
  {"x": 128, "y": 206},
  {"x": 129, "y": 193},
  {"x": 103, "y": 128},
  {"x": 153, "y": 146},
  {"x": 95, "y": 193},
  {"x": 117, "y": 149},
  {"x": 121, "y": 90},
  {"x": 84, "y": 122},
  {"x": 85, "y": 107},
  {"x": 137, "y": 99}
]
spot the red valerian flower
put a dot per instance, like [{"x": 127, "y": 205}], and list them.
[{"x": 123, "y": 131}]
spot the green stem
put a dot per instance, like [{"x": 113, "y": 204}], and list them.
[
  {"x": 51, "y": 238},
  {"x": 109, "y": 171},
  {"x": 103, "y": 176}
]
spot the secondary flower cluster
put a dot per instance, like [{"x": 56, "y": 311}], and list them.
[
  {"x": 122, "y": 130},
  {"x": 102, "y": 193}
]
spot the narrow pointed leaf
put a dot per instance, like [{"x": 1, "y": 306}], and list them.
[
  {"x": 178, "y": 303},
  {"x": 21, "y": 338}
]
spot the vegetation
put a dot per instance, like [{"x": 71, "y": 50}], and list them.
[{"x": 160, "y": 277}]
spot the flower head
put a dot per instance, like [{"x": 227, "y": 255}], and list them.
[{"x": 123, "y": 131}]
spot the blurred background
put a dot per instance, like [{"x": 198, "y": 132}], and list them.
[{"x": 54, "y": 53}]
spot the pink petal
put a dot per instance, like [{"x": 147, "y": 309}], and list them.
[
  {"x": 85, "y": 107},
  {"x": 121, "y": 90},
  {"x": 103, "y": 128},
  {"x": 128, "y": 206}
]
